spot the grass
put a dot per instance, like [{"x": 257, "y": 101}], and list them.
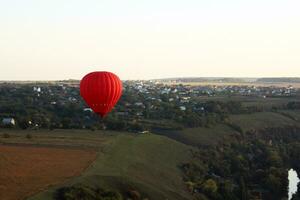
[
  {"x": 261, "y": 120},
  {"x": 292, "y": 114},
  {"x": 201, "y": 136},
  {"x": 148, "y": 163},
  {"x": 58, "y": 138},
  {"x": 207, "y": 83},
  {"x": 217, "y": 133}
]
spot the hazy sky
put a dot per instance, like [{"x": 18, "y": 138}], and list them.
[{"x": 140, "y": 39}]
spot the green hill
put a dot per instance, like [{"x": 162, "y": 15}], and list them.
[
  {"x": 202, "y": 136},
  {"x": 261, "y": 120},
  {"x": 147, "y": 163}
]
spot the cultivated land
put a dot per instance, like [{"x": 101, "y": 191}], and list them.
[
  {"x": 147, "y": 163},
  {"x": 25, "y": 170},
  {"x": 262, "y": 84}
]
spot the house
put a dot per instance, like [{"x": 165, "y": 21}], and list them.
[
  {"x": 140, "y": 104},
  {"x": 171, "y": 99},
  {"x": 37, "y": 89},
  {"x": 182, "y": 108},
  {"x": 8, "y": 121},
  {"x": 139, "y": 114},
  {"x": 185, "y": 100},
  {"x": 87, "y": 109},
  {"x": 121, "y": 113},
  {"x": 144, "y": 132}
]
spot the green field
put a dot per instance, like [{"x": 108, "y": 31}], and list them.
[
  {"x": 261, "y": 120},
  {"x": 292, "y": 114},
  {"x": 201, "y": 136},
  {"x": 61, "y": 137},
  {"x": 147, "y": 163},
  {"x": 213, "y": 135}
]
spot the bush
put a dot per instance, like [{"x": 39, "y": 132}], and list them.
[
  {"x": 6, "y": 135},
  {"x": 83, "y": 192},
  {"x": 235, "y": 127},
  {"x": 28, "y": 136},
  {"x": 133, "y": 194},
  {"x": 209, "y": 186}
]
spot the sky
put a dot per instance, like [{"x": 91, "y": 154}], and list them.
[{"x": 142, "y": 39}]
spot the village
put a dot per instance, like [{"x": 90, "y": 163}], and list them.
[{"x": 34, "y": 104}]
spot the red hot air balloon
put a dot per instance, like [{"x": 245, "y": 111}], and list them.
[{"x": 101, "y": 91}]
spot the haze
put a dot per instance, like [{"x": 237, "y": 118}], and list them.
[{"x": 139, "y": 39}]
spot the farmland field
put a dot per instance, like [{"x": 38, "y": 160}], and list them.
[
  {"x": 257, "y": 84},
  {"x": 25, "y": 170},
  {"x": 147, "y": 163},
  {"x": 38, "y": 166}
]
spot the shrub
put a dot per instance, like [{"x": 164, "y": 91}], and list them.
[
  {"x": 6, "y": 135},
  {"x": 83, "y": 192},
  {"x": 209, "y": 186},
  {"x": 133, "y": 194},
  {"x": 28, "y": 136}
]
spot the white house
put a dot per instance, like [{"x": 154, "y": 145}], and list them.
[
  {"x": 183, "y": 108},
  {"x": 139, "y": 104},
  {"x": 87, "y": 109},
  {"x": 37, "y": 89},
  {"x": 9, "y": 121}
]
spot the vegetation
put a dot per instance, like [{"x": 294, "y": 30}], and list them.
[
  {"x": 155, "y": 145},
  {"x": 257, "y": 163},
  {"x": 82, "y": 192},
  {"x": 59, "y": 106}
]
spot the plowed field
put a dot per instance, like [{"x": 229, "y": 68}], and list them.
[{"x": 26, "y": 170}]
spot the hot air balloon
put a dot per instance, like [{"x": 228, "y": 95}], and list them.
[{"x": 101, "y": 91}]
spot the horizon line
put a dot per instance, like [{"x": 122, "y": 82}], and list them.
[{"x": 183, "y": 77}]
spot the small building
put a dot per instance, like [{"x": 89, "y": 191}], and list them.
[
  {"x": 144, "y": 132},
  {"x": 121, "y": 113},
  {"x": 37, "y": 89},
  {"x": 182, "y": 108},
  {"x": 8, "y": 122},
  {"x": 87, "y": 110},
  {"x": 139, "y": 104}
]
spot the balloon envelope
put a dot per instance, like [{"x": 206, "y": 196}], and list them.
[{"x": 101, "y": 91}]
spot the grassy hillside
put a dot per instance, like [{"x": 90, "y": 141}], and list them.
[
  {"x": 58, "y": 138},
  {"x": 147, "y": 163},
  {"x": 292, "y": 114},
  {"x": 212, "y": 136},
  {"x": 261, "y": 120},
  {"x": 200, "y": 136}
]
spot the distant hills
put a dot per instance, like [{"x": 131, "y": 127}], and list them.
[
  {"x": 187, "y": 80},
  {"x": 279, "y": 80},
  {"x": 233, "y": 80}
]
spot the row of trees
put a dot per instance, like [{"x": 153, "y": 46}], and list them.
[{"x": 84, "y": 192}]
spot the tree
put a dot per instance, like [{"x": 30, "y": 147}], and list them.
[
  {"x": 209, "y": 187},
  {"x": 83, "y": 192}
]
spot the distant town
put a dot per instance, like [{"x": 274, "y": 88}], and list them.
[{"x": 58, "y": 104}]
